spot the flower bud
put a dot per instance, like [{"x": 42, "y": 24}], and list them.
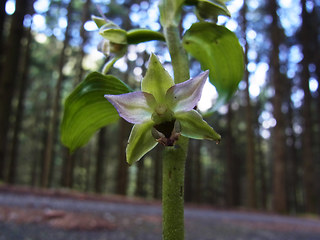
[{"x": 109, "y": 48}]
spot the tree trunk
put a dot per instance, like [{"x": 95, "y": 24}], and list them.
[
  {"x": 9, "y": 75},
  {"x": 317, "y": 61},
  {"x": 68, "y": 168},
  {"x": 122, "y": 171},
  {"x": 232, "y": 189},
  {"x": 250, "y": 151},
  {"x": 279, "y": 139},
  {"x": 308, "y": 166},
  {"x": 293, "y": 176},
  {"x": 157, "y": 172},
  {"x": 197, "y": 196},
  {"x": 140, "y": 182},
  {"x": 2, "y": 20},
  {"x": 88, "y": 164},
  {"x": 20, "y": 111},
  {"x": 189, "y": 175},
  {"x": 84, "y": 38},
  {"x": 48, "y": 158},
  {"x": 100, "y": 166},
  {"x": 261, "y": 163}
]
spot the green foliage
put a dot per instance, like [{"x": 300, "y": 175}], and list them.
[
  {"x": 86, "y": 110},
  {"x": 136, "y": 36},
  {"x": 210, "y": 9},
  {"x": 218, "y": 50}
]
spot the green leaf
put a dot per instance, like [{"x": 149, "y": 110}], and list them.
[
  {"x": 193, "y": 126},
  {"x": 86, "y": 110},
  {"x": 140, "y": 142},
  {"x": 210, "y": 9},
  {"x": 218, "y": 50}
]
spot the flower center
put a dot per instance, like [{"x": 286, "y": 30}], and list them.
[
  {"x": 165, "y": 128},
  {"x": 162, "y": 114},
  {"x": 167, "y": 133}
]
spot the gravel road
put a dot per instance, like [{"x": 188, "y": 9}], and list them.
[{"x": 142, "y": 221}]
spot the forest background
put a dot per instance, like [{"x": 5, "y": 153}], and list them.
[{"x": 269, "y": 156}]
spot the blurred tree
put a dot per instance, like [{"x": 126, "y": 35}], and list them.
[
  {"x": 293, "y": 157},
  {"x": 8, "y": 77},
  {"x": 189, "y": 178},
  {"x": 52, "y": 127},
  {"x": 196, "y": 152},
  {"x": 122, "y": 168},
  {"x": 23, "y": 84},
  {"x": 308, "y": 41},
  {"x": 262, "y": 169},
  {"x": 100, "y": 160},
  {"x": 84, "y": 37},
  {"x": 232, "y": 169},
  {"x": 2, "y": 21},
  {"x": 250, "y": 143},
  {"x": 279, "y": 146},
  {"x": 140, "y": 180},
  {"x": 316, "y": 14},
  {"x": 157, "y": 166}
]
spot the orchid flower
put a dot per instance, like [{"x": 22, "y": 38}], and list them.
[{"x": 162, "y": 111}]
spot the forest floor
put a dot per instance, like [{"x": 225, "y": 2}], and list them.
[{"x": 28, "y": 214}]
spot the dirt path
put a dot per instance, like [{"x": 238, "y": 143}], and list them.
[{"x": 30, "y": 216}]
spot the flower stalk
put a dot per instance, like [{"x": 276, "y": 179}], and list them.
[
  {"x": 174, "y": 159},
  {"x": 173, "y": 190}
]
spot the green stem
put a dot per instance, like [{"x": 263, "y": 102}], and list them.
[
  {"x": 179, "y": 58},
  {"x": 175, "y": 157},
  {"x": 173, "y": 190}
]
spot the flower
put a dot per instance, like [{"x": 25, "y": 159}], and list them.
[{"x": 162, "y": 111}]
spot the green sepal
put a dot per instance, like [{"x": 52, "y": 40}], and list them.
[
  {"x": 99, "y": 21},
  {"x": 113, "y": 34},
  {"x": 110, "y": 48},
  {"x": 135, "y": 36},
  {"x": 217, "y": 49},
  {"x": 86, "y": 110},
  {"x": 193, "y": 126},
  {"x": 157, "y": 80},
  {"x": 140, "y": 142}
]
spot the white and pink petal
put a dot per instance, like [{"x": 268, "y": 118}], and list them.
[
  {"x": 134, "y": 107},
  {"x": 185, "y": 96}
]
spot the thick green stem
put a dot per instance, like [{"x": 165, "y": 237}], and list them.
[
  {"x": 173, "y": 190},
  {"x": 179, "y": 58},
  {"x": 175, "y": 157}
]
